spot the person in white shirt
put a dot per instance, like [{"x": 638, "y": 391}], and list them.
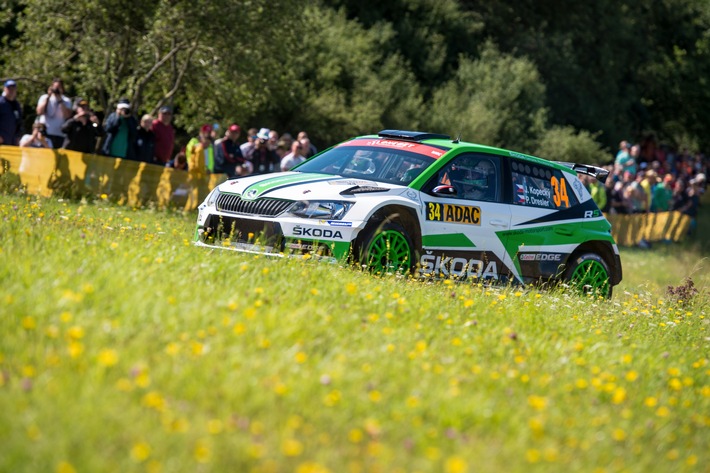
[
  {"x": 293, "y": 158},
  {"x": 53, "y": 108},
  {"x": 38, "y": 138}
]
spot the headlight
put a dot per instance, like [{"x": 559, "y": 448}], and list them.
[
  {"x": 323, "y": 209},
  {"x": 212, "y": 197}
]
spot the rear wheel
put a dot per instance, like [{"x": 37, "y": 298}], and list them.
[
  {"x": 589, "y": 274},
  {"x": 386, "y": 248}
]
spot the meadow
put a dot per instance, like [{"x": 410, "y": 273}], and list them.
[{"x": 125, "y": 348}]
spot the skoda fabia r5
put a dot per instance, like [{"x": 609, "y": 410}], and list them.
[{"x": 424, "y": 204}]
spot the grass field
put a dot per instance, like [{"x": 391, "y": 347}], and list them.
[{"x": 125, "y": 348}]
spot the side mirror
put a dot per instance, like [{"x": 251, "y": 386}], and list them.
[{"x": 444, "y": 190}]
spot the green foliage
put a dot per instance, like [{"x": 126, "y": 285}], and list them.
[
  {"x": 496, "y": 100},
  {"x": 566, "y": 144}
]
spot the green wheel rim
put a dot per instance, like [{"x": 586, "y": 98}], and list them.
[
  {"x": 591, "y": 277},
  {"x": 388, "y": 253}
]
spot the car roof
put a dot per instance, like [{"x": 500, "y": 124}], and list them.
[{"x": 446, "y": 143}]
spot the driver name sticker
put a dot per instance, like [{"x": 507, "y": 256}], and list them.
[{"x": 453, "y": 213}]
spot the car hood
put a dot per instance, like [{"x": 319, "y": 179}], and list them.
[{"x": 307, "y": 186}]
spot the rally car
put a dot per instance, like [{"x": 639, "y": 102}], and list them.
[{"x": 422, "y": 203}]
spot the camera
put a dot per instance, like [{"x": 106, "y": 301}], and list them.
[{"x": 56, "y": 90}]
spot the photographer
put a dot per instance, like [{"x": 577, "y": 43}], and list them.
[
  {"x": 53, "y": 108},
  {"x": 83, "y": 129},
  {"x": 121, "y": 131},
  {"x": 38, "y": 138}
]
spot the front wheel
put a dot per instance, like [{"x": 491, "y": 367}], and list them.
[
  {"x": 590, "y": 274},
  {"x": 386, "y": 249}
]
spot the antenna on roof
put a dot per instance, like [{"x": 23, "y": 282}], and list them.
[{"x": 458, "y": 138}]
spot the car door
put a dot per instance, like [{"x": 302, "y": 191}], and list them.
[{"x": 463, "y": 215}]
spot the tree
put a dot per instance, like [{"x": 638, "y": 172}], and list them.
[
  {"x": 496, "y": 100},
  {"x": 213, "y": 60}
]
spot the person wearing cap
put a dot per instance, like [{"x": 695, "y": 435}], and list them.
[
  {"x": 263, "y": 159},
  {"x": 38, "y": 138},
  {"x": 227, "y": 155},
  {"x": 53, "y": 109},
  {"x": 121, "y": 130},
  {"x": 82, "y": 130},
  {"x": 10, "y": 115},
  {"x": 662, "y": 195},
  {"x": 164, "y": 136}
]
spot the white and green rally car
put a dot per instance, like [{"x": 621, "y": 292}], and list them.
[{"x": 423, "y": 203}]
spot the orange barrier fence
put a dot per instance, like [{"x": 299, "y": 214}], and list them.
[
  {"x": 68, "y": 173},
  {"x": 60, "y": 172}
]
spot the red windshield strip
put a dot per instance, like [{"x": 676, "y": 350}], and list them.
[{"x": 418, "y": 148}]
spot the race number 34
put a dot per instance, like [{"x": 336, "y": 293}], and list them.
[{"x": 559, "y": 189}]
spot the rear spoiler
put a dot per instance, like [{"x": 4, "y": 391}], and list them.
[{"x": 600, "y": 174}]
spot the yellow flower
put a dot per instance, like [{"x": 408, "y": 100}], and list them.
[
  {"x": 351, "y": 288},
  {"x": 355, "y": 435},
  {"x": 663, "y": 411},
  {"x": 375, "y": 396},
  {"x": 65, "y": 467},
  {"x": 215, "y": 426},
  {"x": 537, "y": 402},
  {"x": 619, "y": 435},
  {"x": 76, "y": 332},
  {"x": 532, "y": 455},
  {"x": 455, "y": 465},
  {"x": 632, "y": 376},
  {"x": 29, "y": 323},
  {"x": 291, "y": 447},
  {"x": 619, "y": 395},
  {"x": 650, "y": 401},
  {"x": 108, "y": 357},
  {"x": 75, "y": 349},
  {"x": 202, "y": 452},
  {"x": 140, "y": 452},
  {"x": 301, "y": 357}
]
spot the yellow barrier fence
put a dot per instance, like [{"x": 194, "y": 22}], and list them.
[{"x": 68, "y": 173}]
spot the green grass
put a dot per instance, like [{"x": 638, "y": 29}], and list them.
[{"x": 125, "y": 348}]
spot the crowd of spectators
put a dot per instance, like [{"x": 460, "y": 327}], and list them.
[
  {"x": 73, "y": 125},
  {"x": 643, "y": 177},
  {"x": 647, "y": 178}
]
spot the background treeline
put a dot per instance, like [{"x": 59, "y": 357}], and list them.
[{"x": 565, "y": 80}]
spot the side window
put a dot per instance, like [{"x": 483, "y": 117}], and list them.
[
  {"x": 473, "y": 177},
  {"x": 537, "y": 185}
]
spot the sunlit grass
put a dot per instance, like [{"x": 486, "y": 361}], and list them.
[{"x": 125, "y": 348}]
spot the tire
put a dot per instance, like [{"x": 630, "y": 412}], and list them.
[
  {"x": 386, "y": 249},
  {"x": 589, "y": 274}
]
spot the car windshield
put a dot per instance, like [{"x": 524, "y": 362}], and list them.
[{"x": 382, "y": 165}]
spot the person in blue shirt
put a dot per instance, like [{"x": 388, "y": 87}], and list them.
[{"x": 10, "y": 115}]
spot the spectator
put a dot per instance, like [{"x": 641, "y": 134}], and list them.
[
  {"x": 308, "y": 148},
  {"x": 596, "y": 190},
  {"x": 263, "y": 159},
  {"x": 273, "y": 140},
  {"x": 227, "y": 155},
  {"x": 624, "y": 160},
  {"x": 10, "y": 115},
  {"x": 634, "y": 195},
  {"x": 82, "y": 130},
  {"x": 662, "y": 194},
  {"x": 283, "y": 148},
  {"x": 145, "y": 140},
  {"x": 287, "y": 139},
  {"x": 200, "y": 153},
  {"x": 248, "y": 148},
  {"x": 179, "y": 161},
  {"x": 53, "y": 109},
  {"x": 164, "y": 136},
  {"x": 121, "y": 129},
  {"x": 293, "y": 158},
  {"x": 38, "y": 138},
  {"x": 619, "y": 195}
]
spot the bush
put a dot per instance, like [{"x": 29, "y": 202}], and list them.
[{"x": 566, "y": 144}]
